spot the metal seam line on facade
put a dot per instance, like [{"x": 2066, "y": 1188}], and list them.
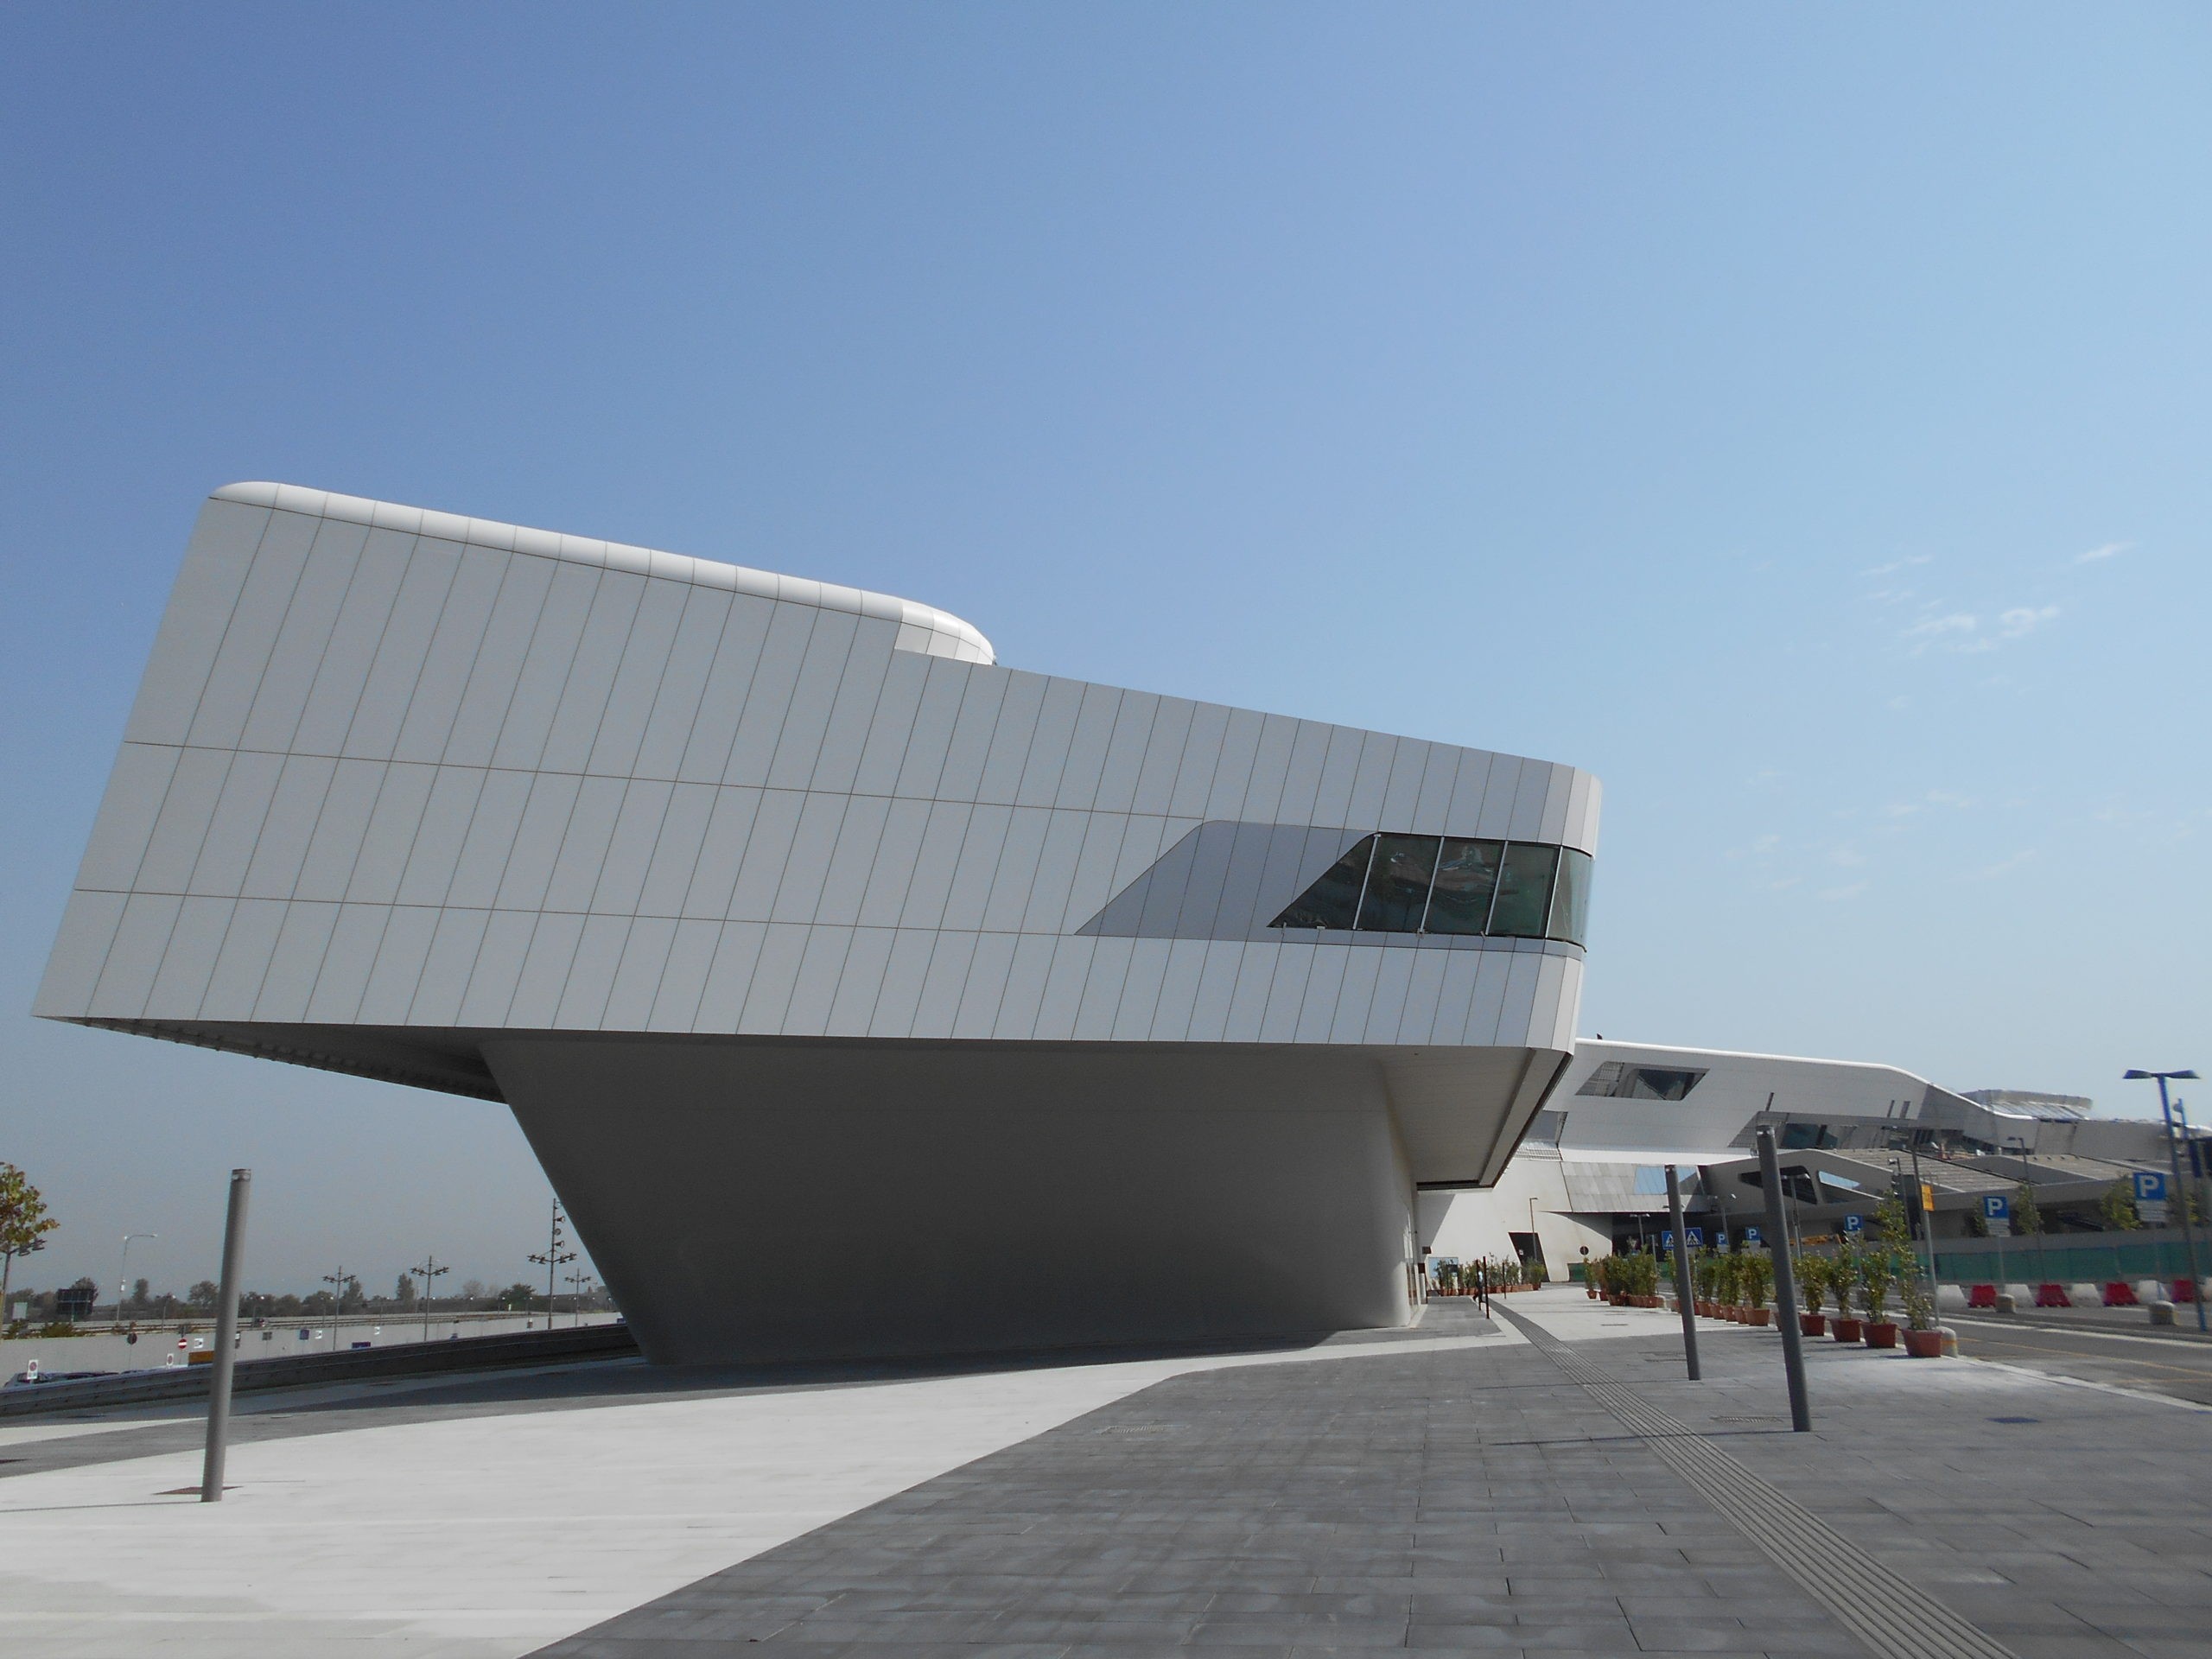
[{"x": 1888, "y": 1614}]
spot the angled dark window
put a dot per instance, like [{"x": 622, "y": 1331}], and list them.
[
  {"x": 1570, "y": 898},
  {"x": 1466, "y": 878},
  {"x": 1397, "y": 884},
  {"x": 1333, "y": 901},
  {"x": 1524, "y": 891},
  {"x": 1450, "y": 885},
  {"x": 1619, "y": 1080}
]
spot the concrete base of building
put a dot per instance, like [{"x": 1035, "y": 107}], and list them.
[{"x": 775, "y": 1200}]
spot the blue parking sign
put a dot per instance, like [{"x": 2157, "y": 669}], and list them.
[
  {"x": 1995, "y": 1206},
  {"x": 1721, "y": 1238},
  {"x": 1751, "y": 1234},
  {"x": 1855, "y": 1224},
  {"x": 2150, "y": 1186}
]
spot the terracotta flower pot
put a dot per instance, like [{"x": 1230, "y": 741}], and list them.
[
  {"x": 1813, "y": 1325},
  {"x": 1882, "y": 1334},
  {"x": 1761, "y": 1316},
  {"x": 1924, "y": 1345},
  {"x": 1845, "y": 1330}
]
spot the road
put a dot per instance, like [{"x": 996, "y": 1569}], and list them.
[{"x": 2177, "y": 1366}]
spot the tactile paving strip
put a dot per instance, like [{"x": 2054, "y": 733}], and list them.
[{"x": 1891, "y": 1617}]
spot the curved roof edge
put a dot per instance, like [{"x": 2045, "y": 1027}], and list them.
[{"x": 922, "y": 628}]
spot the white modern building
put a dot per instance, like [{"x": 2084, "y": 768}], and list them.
[
  {"x": 859, "y": 996},
  {"x": 1590, "y": 1172}
]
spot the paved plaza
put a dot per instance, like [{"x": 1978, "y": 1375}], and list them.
[{"x": 1548, "y": 1482}]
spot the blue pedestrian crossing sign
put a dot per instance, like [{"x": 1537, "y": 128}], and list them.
[
  {"x": 1855, "y": 1224},
  {"x": 1696, "y": 1237},
  {"x": 1667, "y": 1241}
]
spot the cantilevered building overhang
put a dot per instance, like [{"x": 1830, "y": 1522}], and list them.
[{"x": 859, "y": 995}]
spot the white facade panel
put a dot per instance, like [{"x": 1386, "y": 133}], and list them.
[
  {"x": 216, "y": 563},
  {"x": 334, "y": 700},
  {"x": 301, "y": 943},
  {"x": 180, "y": 828},
  {"x": 396, "y": 670},
  {"x": 810, "y": 701},
  {"x": 136, "y": 790},
  {"x": 450, "y": 660},
  {"x": 495, "y": 673},
  {"x": 250, "y": 635},
  {"x": 586, "y": 840},
  {"x": 682, "y": 683},
  {"x": 767, "y": 698},
  {"x": 341, "y": 820},
  {"x": 489, "y": 841},
  {"x": 188, "y": 961},
  {"x": 542, "y": 678},
  {"x": 637, "y": 975},
  {"x": 435, "y": 858},
  {"x": 737, "y": 659},
  {"x": 249, "y": 946},
  {"x": 620, "y": 738}
]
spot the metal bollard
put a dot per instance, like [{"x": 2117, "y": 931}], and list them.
[{"x": 227, "y": 1341}]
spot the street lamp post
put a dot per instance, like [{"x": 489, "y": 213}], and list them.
[
  {"x": 337, "y": 1282},
  {"x": 2181, "y": 1192},
  {"x": 554, "y": 1259},
  {"x": 2028, "y": 1180},
  {"x": 122, "y": 1274},
  {"x": 431, "y": 1272}
]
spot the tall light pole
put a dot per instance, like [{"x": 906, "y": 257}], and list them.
[
  {"x": 431, "y": 1272},
  {"x": 337, "y": 1281},
  {"x": 553, "y": 1261},
  {"x": 578, "y": 1281},
  {"x": 2181, "y": 1192},
  {"x": 123, "y": 1274},
  {"x": 2028, "y": 1180}
]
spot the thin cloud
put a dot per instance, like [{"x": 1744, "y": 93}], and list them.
[
  {"x": 1964, "y": 632},
  {"x": 1956, "y": 631},
  {"x": 2109, "y": 550},
  {"x": 1896, "y": 565},
  {"x": 2020, "y": 860}
]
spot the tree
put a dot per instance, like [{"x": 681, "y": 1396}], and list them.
[
  {"x": 517, "y": 1297},
  {"x": 2027, "y": 1215},
  {"x": 403, "y": 1291},
  {"x": 141, "y": 1292},
  {"x": 23, "y": 1224},
  {"x": 2119, "y": 1207},
  {"x": 204, "y": 1295},
  {"x": 472, "y": 1290}
]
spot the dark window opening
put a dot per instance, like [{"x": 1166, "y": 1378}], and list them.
[
  {"x": 1619, "y": 1080},
  {"x": 1467, "y": 880},
  {"x": 1333, "y": 901},
  {"x": 1397, "y": 884},
  {"x": 1450, "y": 885}
]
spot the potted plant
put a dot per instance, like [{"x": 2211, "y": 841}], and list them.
[
  {"x": 1923, "y": 1340},
  {"x": 1876, "y": 1272},
  {"x": 1812, "y": 1287},
  {"x": 1843, "y": 1280},
  {"x": 1757, "y": 1275}
]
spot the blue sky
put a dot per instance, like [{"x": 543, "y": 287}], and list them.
[{"x": 1798, "y": 416}]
